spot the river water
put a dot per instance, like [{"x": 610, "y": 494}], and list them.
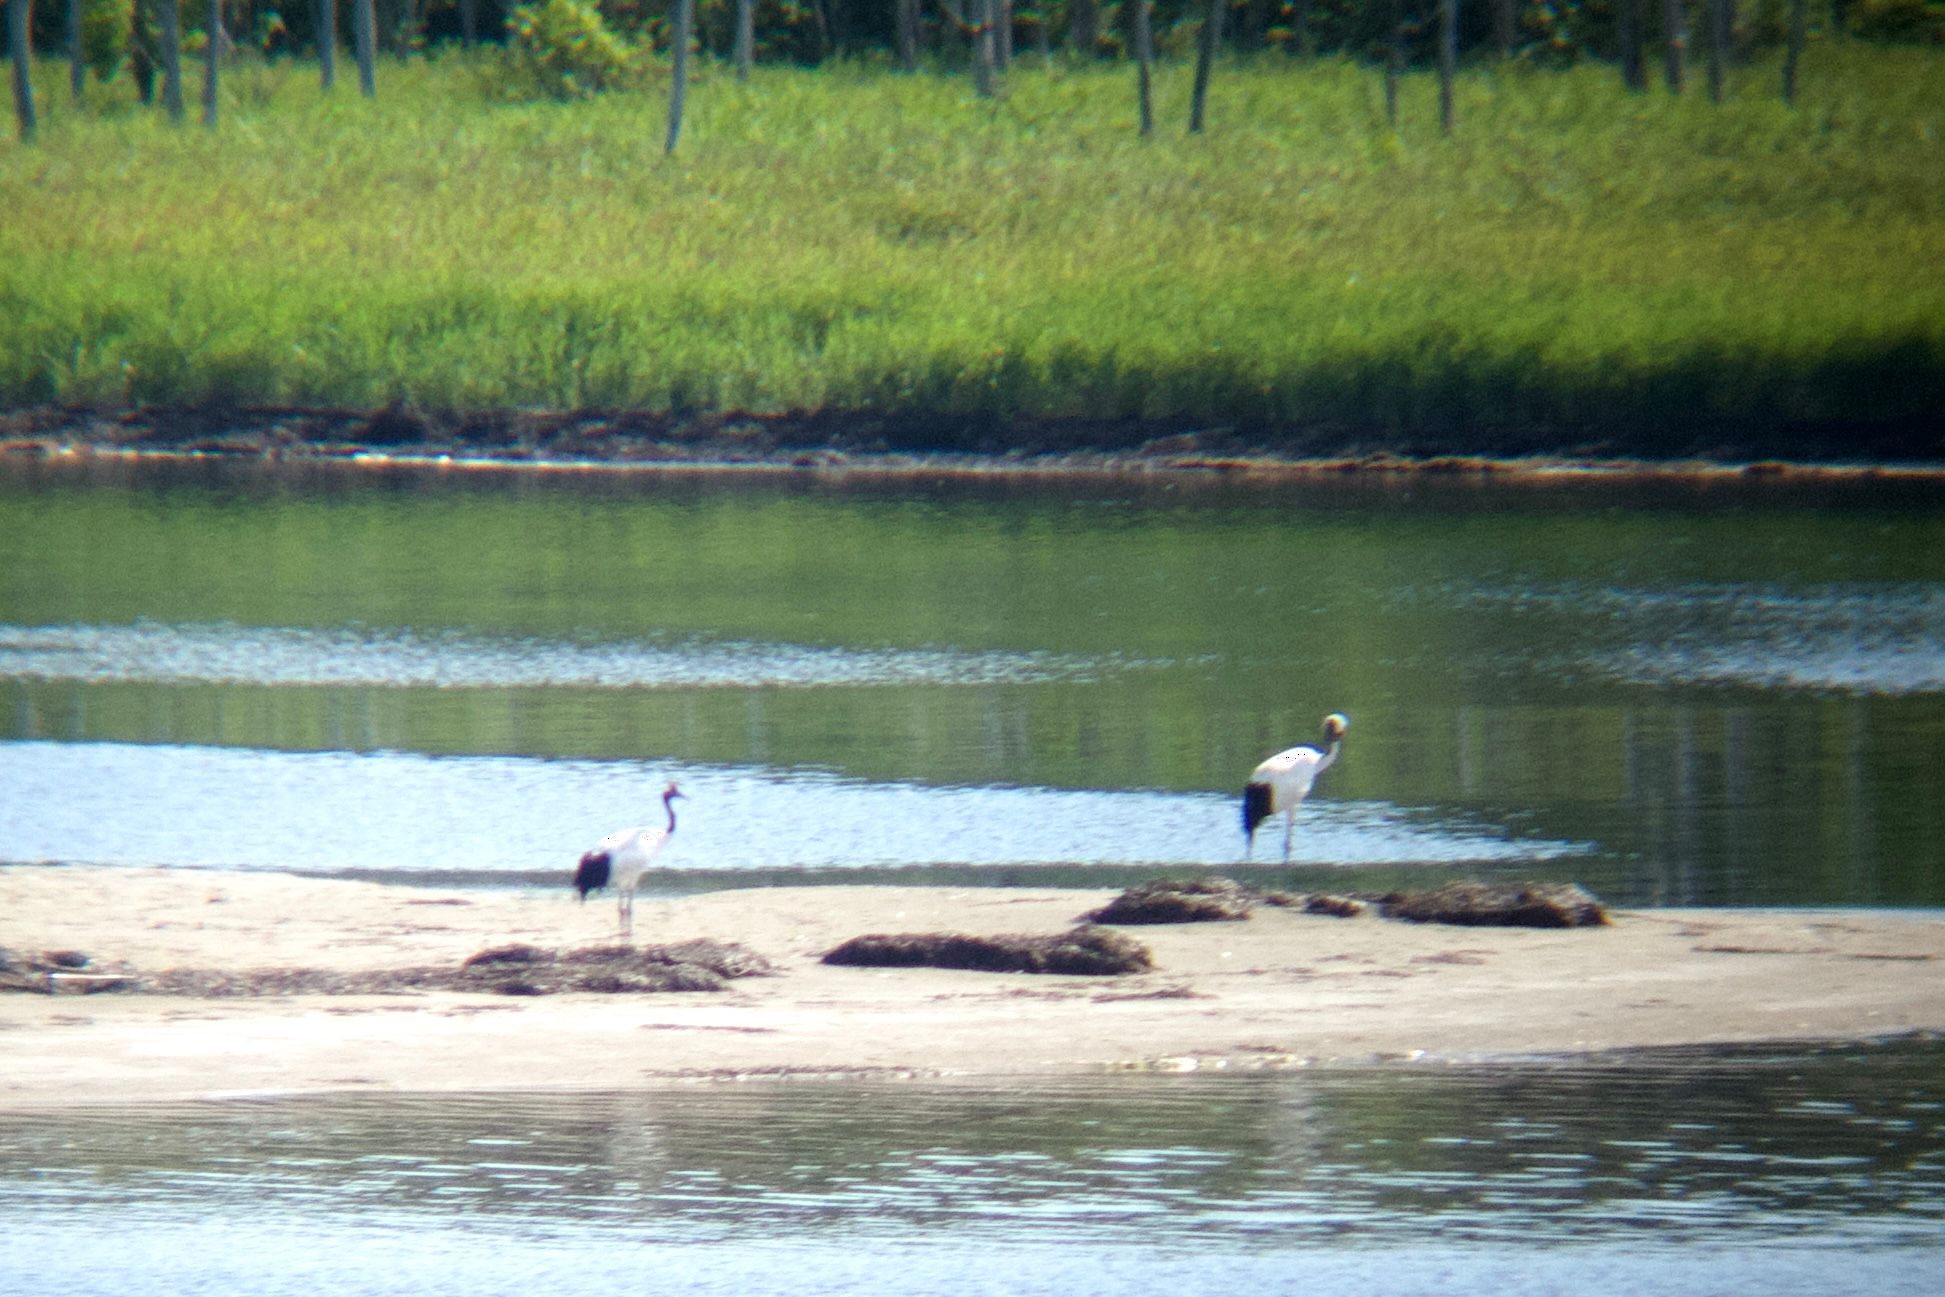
[
  {"x": 1704, "y": 693},
  {"x": 1760, "y": 1171}
]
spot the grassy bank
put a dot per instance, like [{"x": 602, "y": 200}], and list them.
[{"x": 1577, "y": 264}]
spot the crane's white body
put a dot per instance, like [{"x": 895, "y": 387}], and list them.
[
  {"x": 1281, "y": 782},
  {"x": 620, "y": 859}
]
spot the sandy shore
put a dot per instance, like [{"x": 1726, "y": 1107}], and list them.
[
  {"x": 1280, "y": 990},
  {"x": 892, "y": 447}
]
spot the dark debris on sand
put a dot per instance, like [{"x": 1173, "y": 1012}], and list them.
[
  {"x": 1170, "y": 900},
  {"x": 1524, "y": 905},
  {"x": 1083, "y": 950},
  {"x": 60, "y": 971},
  {"x": 1213, "y": 900},
  {"x": 1201, "y": 900},
  {"x": 699, "y": 965}
]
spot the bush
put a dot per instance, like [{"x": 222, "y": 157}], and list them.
[
  {"x": 104, "y": 35},
  {"x": 562, "y": 49},
  {"x": 1898, "y": 21}
]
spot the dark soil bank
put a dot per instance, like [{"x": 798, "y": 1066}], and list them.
[{"x": 839, "y": 439}]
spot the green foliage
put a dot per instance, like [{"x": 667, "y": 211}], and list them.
[
  {"x": 793, "y": 30},
  {"x": 564, "y": 49},
  {"x": 1910, "y": 21},
  {"x": 104, "y": 35},
  {"x": 1575, "y": 256}
]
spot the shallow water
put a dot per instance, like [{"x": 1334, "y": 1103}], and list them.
[
  {"x": 1773, "y": 1171},
  {"x": 1719, "y": 693}
]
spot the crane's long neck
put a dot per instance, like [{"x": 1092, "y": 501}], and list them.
[
  {"x": 668, "y": 804},
  {"x": 1330, "y": 755}
]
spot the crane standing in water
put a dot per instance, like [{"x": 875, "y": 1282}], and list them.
[
  {"x": 620, "y": 859},
  {"x": 1283, "y": 781}
]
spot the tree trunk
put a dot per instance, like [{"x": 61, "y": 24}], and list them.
[
  {"x": 822, "y": 21},
  {"x": 1506, "y": 27},
  {"x": 746, "y": 36},
  {"x": 77, "y": 65},
  {"x": 171, "y": 38},
  {"x": 468, "y": 24},
  {"x": 364, "y": 31},
  {"x": 20, "y": 19},
  {"x": 1718, "y": 20},
  {"x": 1674, "y": 56},
  {"x": 212, "y": 46},
  {"x": 327, "y": 41},
  {"x": 1084, "y": 26},
  {"x": 1448, "y": 61},
  {"x": 908, "y": 33},
  {"x": 141, "y": 61},
  {"x": 1634, "y": 71},
  {"x": 1205, "y": 64},
  {"x": 1256, "y": 23},
  {"x": 1799, "y": 31},
  {"x": 679, "y": 83},
  {"x": 983, "y": 11},
  {"x": 1394, "y": 66},
  {"x": 1145, "y": 62},
  {"x": 1302, "y": 40},
  {"x": 1003, "y": 34}
]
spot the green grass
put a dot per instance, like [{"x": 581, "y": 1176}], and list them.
[{"x": 1574, "y": 262}]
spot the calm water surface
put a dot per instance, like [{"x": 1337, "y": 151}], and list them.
[
  {"x": 1761, "y": 1171},
  {"x": 1727, "y": 693}
]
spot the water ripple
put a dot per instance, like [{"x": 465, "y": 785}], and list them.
[
  {"x": 229, "y": 654},
  {"x": 1887, "y": 640}
]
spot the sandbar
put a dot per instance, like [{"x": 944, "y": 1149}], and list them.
[{"x": 1282, "y": 989}]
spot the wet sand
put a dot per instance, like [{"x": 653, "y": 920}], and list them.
[
  {"x": 1282, "y": 989},
  {"x": 895, "y": 446}
]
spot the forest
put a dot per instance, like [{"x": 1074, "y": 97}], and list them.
[
  {"x": 591, "y": 44},
  {"x": 1304, "y": 228}
]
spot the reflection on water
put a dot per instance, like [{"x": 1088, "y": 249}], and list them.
[
  {"x": 1684, "y": 1172},
  {"x": 1706, "y": 694}
]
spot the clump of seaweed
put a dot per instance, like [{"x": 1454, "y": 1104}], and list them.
[
  {"x": 519, "y": 969},
  {"x": 1332, "y": 906},
  {"x": 1086, "y": 950},
  {"x": 1525, "y": 905},
  {"x": 1530, "y": 904},
  {"x": 1170, "y": 900}
]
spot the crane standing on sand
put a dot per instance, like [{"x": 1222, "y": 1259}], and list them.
[
  {"x": 1283, "y": 781},
  {"x": 620, "y": 859}
]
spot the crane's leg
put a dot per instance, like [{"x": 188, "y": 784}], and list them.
[
  {"x": 625, "y": 911},
  {"x": 1289, "y": 826}
]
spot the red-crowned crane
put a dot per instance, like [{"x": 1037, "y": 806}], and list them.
[
  {"x": 620, "y": 858},
  {"x": 1283, "y": 781}
]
